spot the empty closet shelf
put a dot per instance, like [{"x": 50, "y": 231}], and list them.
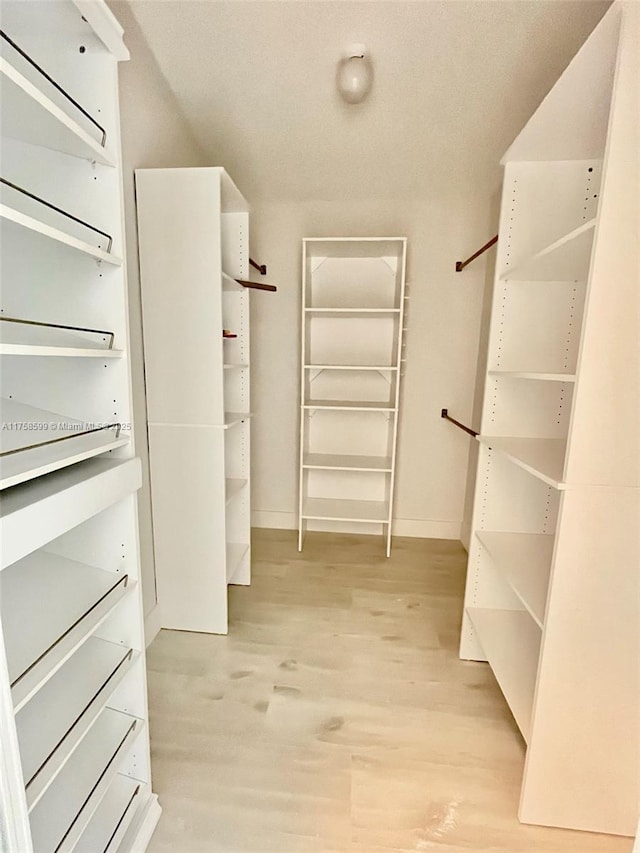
[
  {"x": 62, "y": 602},
  {"x": 33, "y": 338},
  {"x": 113, "y": 816},
  {"x": 233, "y": 487},
  {"x": 34, "y": 513},
  {"x": 11, "y": 217},
  {"x": 566, "y": 259},
  {"x": 66, "y": 809},
  {"x": 29, "y": 115},
  {"x": 233, "y": 418},
  {"x": 52, "y": 725},
  {"x": 229, "y": 366},
  {"x": 352, "y": 312},
  {"x": 535, "y": 375},
  {"x": 346, "y": 462},
  {"x": 236, "y": 552},
  {"x": 350, "y": 405},
  {"x": 34, "y": 442},
  {"x": 542, "y": 457},
  {"x": 345, "y": 510},
  {"x": 510, "y": 639},
  {"x": 378, "y": 367},
  {"x": 524, "y": 560}
]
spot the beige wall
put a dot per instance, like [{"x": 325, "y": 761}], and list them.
[
  {"x": 442, "y": 350},
  {"x": 154, "y": 133}
]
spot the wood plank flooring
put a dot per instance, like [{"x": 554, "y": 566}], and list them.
[{"x": 336, "y": 716}]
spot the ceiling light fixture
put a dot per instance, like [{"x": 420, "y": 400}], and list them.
[{"x": 355, "y": 74}]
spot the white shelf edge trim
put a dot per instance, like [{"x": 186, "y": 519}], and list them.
[{"x": 39, "y": 227}]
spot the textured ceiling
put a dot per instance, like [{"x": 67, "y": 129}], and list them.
[{"x": 454, "y": 82}]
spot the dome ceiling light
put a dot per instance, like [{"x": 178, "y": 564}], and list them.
[{"x": 355, "y": 74}]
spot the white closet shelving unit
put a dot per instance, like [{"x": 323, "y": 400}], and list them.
[
  {"x": 552, "y": 585},
  {"x": 353, "y": 298},
  {"x": 74, "y": 743},
  {"x": 193, "y": 227}
]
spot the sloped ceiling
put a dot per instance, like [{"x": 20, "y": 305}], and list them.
[{"x": 454, "y": 82}]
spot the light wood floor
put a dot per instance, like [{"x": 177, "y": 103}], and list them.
[{"x": 336, "y": 715}]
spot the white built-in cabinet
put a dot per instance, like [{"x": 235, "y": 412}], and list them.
[
  {"x": 193, "y": 229},
  {"x": 353, "y": 298},
  {"x": 552, "y": 598},
  {"x": 74, "y": 741}
]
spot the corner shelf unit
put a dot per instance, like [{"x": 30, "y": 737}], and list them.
[
  {"x": 198, "y": 401},
  {"x": 353, "y": 302},
  {"x": 73, "y": 706},
  {"x": 551, "y": 599}
]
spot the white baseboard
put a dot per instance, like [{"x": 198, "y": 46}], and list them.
[
  {"x": 422, "y": 528},
  {"x": 152, "y": 625}
]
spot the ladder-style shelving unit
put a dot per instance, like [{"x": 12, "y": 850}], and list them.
[
  {"x": 552, "y": 586},
  {"x": 353, "y": 302},
  {"x": 74, "y": 742},
  {"x": 193, "y": 227}
]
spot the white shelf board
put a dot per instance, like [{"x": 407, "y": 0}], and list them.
[
  {"x": 63, "y": 602},
  {"x": 362, "y": 405},
  {"x": 32, "y": 339},
  {"x": 34, "y": 513},
  {"x": 235, "y": 555},
  {"x": 52, "y": 725},
  {"x": 566, "y": 259},
  {"x": 346, "y": 462},
  {"x": 31, "y": 224},
  {"x": 233, "y": 487},
  {"x": 524, "y": 560},
  {"x": 510, "y": 639},
  {"x": 30, "y": 116},
  {"x": 353, "y": 312},
  {"x": 64, "y": 812},
  {"x": 529, "y": 374},
  {"x": 28, "y": 460},
  {"x": 379, "y": 367},
  {"x": 233, "y": 418},
  {"x": 235, "y": 366},
  {"x": 231, "y": 285},
  {"x": 330, "y": 509},
  {"x": 542, "y": 457},
  {"x": 59, "y": 351},
  {"x": 112, "y": 817}
]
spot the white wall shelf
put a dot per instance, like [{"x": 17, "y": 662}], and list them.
[
  {"x": 73, "y": 600},
  {"x": 65, "y": 811},
  {"x": 53, "y": 723},
  {"x": 40, "y": 442},
  {"x": 542, "y": 457},
  {"x": 198, "y": 389},
  {"x": 510, "y": 640},
  {"x": 525, "y": 561},
  {"x": 112, "y": 817},
  {"x": 346, "y": 462},
  {"x": 540, "y": 377},
  {"x": 351, "y": 358},
  {"x": 29, "y": 115},
  {"x": 566, "y": 259},
  {"x": 551, "y": 595},
  {"x": 332, "y": 509},
  {"x": 73, "y": 698},
  {"x": 11, "y": 216}
]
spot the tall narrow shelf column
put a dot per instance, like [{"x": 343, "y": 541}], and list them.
[
  {"x": 353, "y": 298},
  {"x": 74, "y": 743},
  {"x": 552, "y": 585},
  {"x": 193, "y": 227}
]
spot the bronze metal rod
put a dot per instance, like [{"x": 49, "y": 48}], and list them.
[
  {"x": 262, "y": 268},
  {"x": 460, "y": 265},
  {"x": 256, "y": 285},
  {"x": 445, "y": 414}
]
